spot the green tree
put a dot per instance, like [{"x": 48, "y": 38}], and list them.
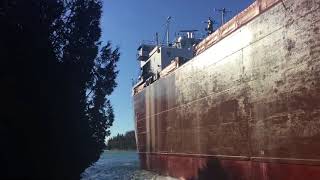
[
  {"x": 123, "y": 142},
  {"x": 100, "y": 110},
  {"x": 56, "y": 83}
]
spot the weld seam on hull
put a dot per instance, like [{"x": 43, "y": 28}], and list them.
[{"x": 297, "y": 161}]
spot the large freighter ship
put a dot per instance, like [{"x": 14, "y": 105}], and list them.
[{"x": 243, "y": 103}]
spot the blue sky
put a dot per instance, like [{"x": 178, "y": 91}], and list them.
[{"x": 127, "y": 22}]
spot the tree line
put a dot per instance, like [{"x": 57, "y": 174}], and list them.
[
  {"x": 125, "y": 141},
  {"x": 56, "y": 75}
]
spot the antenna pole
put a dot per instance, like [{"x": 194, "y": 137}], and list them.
[
  {"x": 157, "y": 39},
  {"x": 168, "y": 33},
  {"x": 223, "y": 11}
]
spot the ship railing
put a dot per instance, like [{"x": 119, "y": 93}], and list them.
[
  {"x": 175, "y": 63},
  {"x": 254, "y": 10},
  {"x": 152, "y": 43},
  {"x": 138, "y": 86}
]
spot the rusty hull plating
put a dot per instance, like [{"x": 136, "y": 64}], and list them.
[{"x": 246, "y": 107}]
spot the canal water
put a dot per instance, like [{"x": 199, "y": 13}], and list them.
[{"x": 119, "y": 165}]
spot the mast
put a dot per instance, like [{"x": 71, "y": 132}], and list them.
[
  {"x": 168, "y": 33},
  {"x": 157, "y": 39},
  {"x": 223, "y": 11}
]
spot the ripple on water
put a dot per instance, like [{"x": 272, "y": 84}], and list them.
[{"x": 119, "y": 165}]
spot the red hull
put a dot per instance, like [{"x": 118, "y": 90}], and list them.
[{"x": 204, "y": 167}]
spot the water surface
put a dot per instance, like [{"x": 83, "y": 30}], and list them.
[
  {"x": 113, "y": 165},
  {"x": 119, "y": 165}
]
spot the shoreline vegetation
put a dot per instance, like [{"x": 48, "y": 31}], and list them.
[
  {"x": 120, "y": 150},
  {"x": 122, "y": 142}
]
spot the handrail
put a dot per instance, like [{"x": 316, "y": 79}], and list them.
[{"x": 251, "y": 12}]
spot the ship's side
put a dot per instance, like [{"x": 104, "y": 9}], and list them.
[{"x": 246, "y": 107}]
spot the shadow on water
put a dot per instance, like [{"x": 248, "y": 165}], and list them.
[{"x": 211, "y": 171}]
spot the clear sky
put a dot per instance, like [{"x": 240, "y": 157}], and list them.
[{"x": 127, "y": 22}]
